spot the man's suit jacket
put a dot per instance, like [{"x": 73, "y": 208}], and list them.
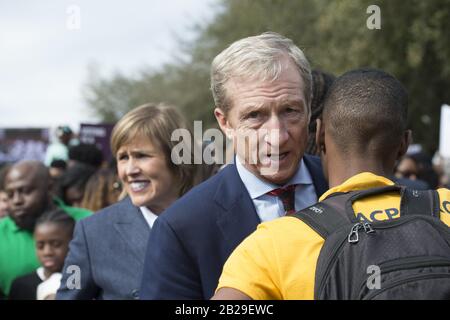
[
  {"x": 109, "y": 248},
  {"x": 193, "y": 238}
]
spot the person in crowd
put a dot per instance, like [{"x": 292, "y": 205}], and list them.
[
  {"x": 72, "y": 184},
  {"x": 4, "y": 205},
  {"x": 439, "y": 165},
  {"x": 322, "y": 81},
  {"x": 57, "y": 169},
  {"x": 59, "y": 150},
  {"x": 109, "y": 247},
  {"x": 262, "y": 87},
  {"x": 102, "y": 190},
  {"x": 407, "y": 168},
  {"x": 52, "y": 234},
  {"x": 85, "y": 153},
  {"x": 426, "y": 171},
  {"x": 411, "y": 170},
  {"x": 362, "y": 134},
  {"x": 27, "y": 185}
]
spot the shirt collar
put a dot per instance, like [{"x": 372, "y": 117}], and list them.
[
  {"x": 257, "y": 187},
  {"x": 13, "y": 226},
  {"x": 361, "y": 181},
  {"x": 41, "y": 274},
  {"x": 149, "y": 216}
]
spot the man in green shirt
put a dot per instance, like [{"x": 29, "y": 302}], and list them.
[{"x": 27, "y": 185}]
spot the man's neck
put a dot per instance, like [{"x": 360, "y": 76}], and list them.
[
  {"x": 339, "y": 171},
  {"x": 50, "y": 206}
]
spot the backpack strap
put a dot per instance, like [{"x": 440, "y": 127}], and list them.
[
  {"x": 424, "y": 202},
  {"x": 420, "y": 202},
  {"x": 337, "y": 210},
  {"x": 327, "y": 216}
]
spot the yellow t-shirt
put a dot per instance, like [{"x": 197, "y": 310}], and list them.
[{"x": 278, "y": 261}]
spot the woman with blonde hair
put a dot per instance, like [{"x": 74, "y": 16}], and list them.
[{"x": 109, "y": 247}]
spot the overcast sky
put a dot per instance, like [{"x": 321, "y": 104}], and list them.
[{"x": 44, "y": 57}]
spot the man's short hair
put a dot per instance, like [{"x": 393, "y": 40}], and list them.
[
  {"x": 59, "y": 164},
  {"x": 366, "y": 111},
  {"x": 86, "y": 153},
  {"x": 258, "y": 57}
]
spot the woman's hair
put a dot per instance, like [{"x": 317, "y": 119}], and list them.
[
  {"x": 3, "y": 172},
  {"x": 57, "y": 216},
  {"x": 102, "y": 190},
  {"x": 75, "y": 176},
  {"x": 157, "y": 122}
]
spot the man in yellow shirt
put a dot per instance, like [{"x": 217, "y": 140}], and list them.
[{"x": 362, "y": 134}]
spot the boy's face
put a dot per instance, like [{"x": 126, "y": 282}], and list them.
[{"x": 52, "y": 244}]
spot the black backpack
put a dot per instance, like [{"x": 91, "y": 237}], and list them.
[{"x": 403, "y": 258}]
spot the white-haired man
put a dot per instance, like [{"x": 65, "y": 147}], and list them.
[{"x": 262, "y": 91}]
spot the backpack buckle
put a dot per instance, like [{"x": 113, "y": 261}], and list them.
[
  {"x": 368, "y": 228},
  {"x": 353, "y": 236}
]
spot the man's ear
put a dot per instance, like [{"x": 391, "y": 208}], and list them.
[
  {"x": 223, "y": 122},
  {"x": 320, "y": 136},
  {"x": 404, "y": 144}
]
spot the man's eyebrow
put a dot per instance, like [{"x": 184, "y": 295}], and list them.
[
  {"x": 254, "y": 105},
  {"x": 298, "y": 102}
]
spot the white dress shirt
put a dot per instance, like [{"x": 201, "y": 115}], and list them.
[
  {"x": 270, "y": 207},
  {"x": 149, "y": 216}
]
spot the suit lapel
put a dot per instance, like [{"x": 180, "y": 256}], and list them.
[
  {"x": 132, "y": 228},
  {"x": 237, "y": 216},
  {"x": 315, "y": 169}
]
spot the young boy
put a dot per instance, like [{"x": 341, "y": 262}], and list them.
[
  {"x": 52, "y": 235},
  {"x": 361, "y": 135}
]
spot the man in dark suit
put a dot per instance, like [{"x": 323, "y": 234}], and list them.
[{"x": 262, "y": 91}]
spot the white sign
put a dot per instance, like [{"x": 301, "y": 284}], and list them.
[{"x": 444, "y": 139}]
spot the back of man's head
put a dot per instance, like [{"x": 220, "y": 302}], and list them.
[
  {"x": 365, "y": 113},
  {"x": 86, "y": 153}
]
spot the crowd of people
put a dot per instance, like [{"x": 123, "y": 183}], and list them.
[{"x": 147, "y": 226}]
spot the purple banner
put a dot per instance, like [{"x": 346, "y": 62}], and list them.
[
  {"x": 23, "y": 144},
  {"x": 98, "y": 134}
]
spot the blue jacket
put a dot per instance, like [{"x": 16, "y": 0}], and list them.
[
  {"x": 193, "y": 238},
  {"x": 109, "y": 249}
]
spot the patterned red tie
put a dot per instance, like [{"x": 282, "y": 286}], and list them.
[{"x": 287, "y": 197}]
